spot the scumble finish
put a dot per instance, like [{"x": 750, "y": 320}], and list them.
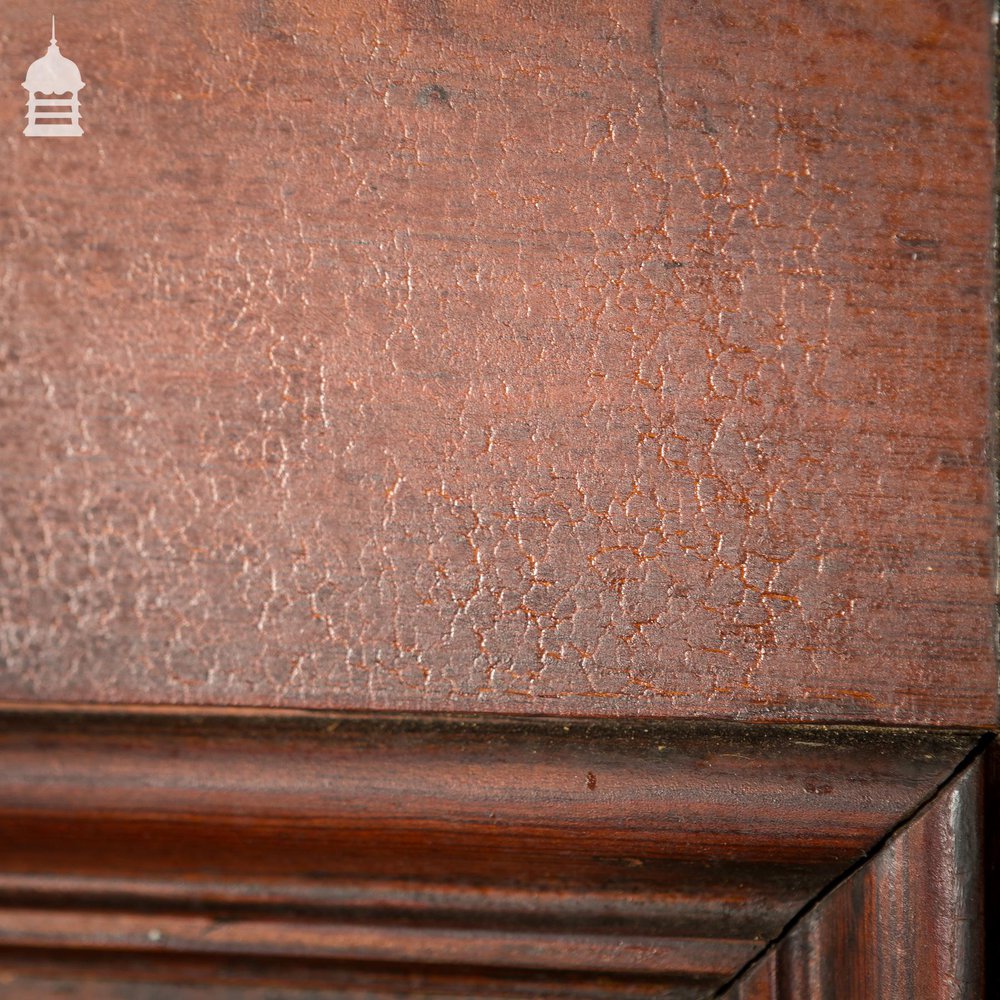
[{"x": 590, "y": 358}]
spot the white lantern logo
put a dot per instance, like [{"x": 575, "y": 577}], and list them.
[{"x": 48, "y": 82}]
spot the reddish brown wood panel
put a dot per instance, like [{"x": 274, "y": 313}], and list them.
[
  {"x": 527, "y": 855},
  {"x": 598, "y": 358},
  {"x": 907, "y": 924}
]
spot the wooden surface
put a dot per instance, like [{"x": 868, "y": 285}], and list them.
[
  {"x": 486, "y": 855},
  {"x": 907, "y": 924},
  {"x": 591, "y": 359}
]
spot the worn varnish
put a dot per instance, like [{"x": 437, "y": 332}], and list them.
[
  {"x": 627, "y": 360},
  {"x": 608, "y": 359},
  {"x": 485, "y": 855},
  {"x": 908, "y": 923}
]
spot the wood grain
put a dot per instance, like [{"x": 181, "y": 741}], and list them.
[
  {"x": 147, "y": 977},
  {"x": 527, "y": 855},
  {"x": 578, "y": 359},
  {"x": 908, "y": 923}
]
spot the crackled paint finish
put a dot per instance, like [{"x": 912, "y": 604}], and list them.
[{"x": 585, "y": 358}]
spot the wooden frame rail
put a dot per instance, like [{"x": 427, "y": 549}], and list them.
[{"x": 440, "y": 855}]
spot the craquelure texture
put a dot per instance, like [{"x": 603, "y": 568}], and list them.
[{"x": 568, "y": 358}]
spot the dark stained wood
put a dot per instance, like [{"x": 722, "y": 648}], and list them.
[
  {"x": 582, "y": 359},
  {"x": 528, "y": 854},
  {"x": 148, "y": 977},
  {"x": 907, "y": 924},
  {"x": 991, "y": 882}
]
